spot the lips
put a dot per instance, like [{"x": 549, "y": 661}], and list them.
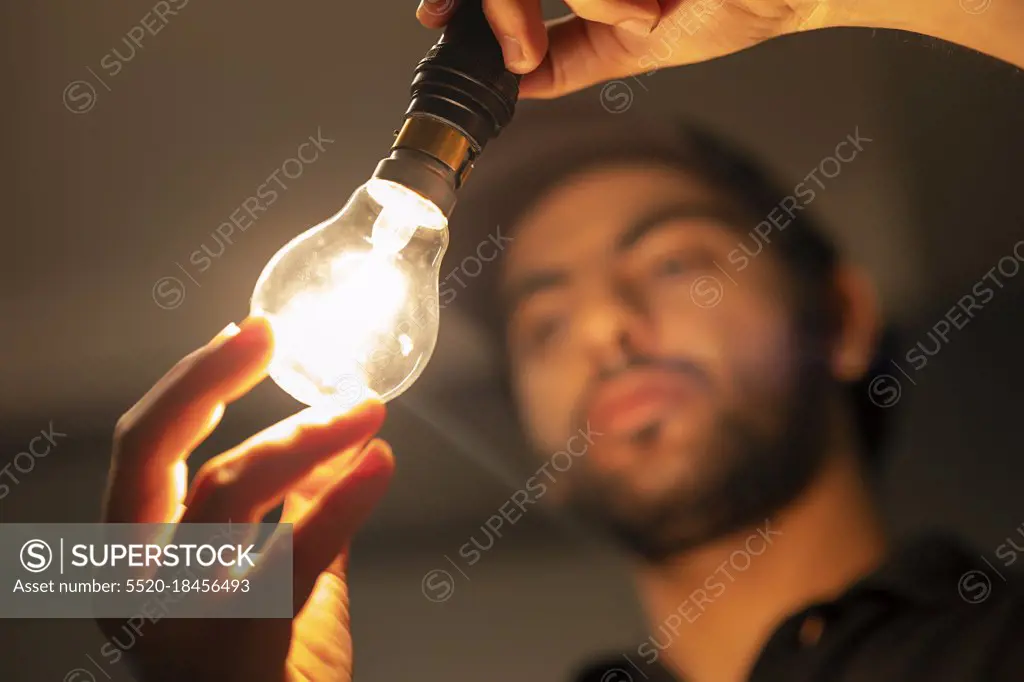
[{"x": 627, "y": 404}]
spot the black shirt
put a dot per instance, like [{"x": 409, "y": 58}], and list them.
[{"x": 932, "y": 613}]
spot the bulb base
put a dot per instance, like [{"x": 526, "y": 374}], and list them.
[
  {"x": 462, "y": 97},
  {"x": 463, "y": 81},
  {"x": 431, "y": 158}
]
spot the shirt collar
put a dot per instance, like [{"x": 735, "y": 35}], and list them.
[{"x": 927, "y": 569}]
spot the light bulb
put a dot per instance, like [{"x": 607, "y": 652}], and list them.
[{"x": 353, "y": 302}]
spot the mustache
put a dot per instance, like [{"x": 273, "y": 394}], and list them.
[{"x": 686, "y": 367}]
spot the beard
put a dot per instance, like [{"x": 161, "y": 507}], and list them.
[{"x": 758, "y": 457}]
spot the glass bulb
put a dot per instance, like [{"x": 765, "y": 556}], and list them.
[{"x": 353, "y": 302}]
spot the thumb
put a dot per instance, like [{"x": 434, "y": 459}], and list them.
[
  {"x": 435, "y": 13},
  {"x": 581, "y": 53}
]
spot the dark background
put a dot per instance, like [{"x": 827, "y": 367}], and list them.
[{"x": 105, "y": 202}]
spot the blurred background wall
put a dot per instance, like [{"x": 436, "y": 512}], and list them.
[{"x": 114, "y": 180}]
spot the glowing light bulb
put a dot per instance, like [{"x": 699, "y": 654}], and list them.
[{"x": 353, "y": 302}]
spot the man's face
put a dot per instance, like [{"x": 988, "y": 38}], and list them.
[{"x": 630, "y": 319}]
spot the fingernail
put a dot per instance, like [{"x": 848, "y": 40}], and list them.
[
  {"x": 638, "y": 27},
  {"x": 513, "y": 51},
  {"x": 367, "y": 465},
  {"x": 224, "y": 334},
  {"x": 434, "y": 8}
]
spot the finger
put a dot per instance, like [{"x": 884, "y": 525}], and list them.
[
  {"x": 436, "y": 13},
  {"x": 246, "y": 482},
  {"x": 519, "y": 27},
  {"x": 304, "y": 493},
  {"x": 151, "y": 441},
  {"x": 329, "y": 524},
  {"x": 580, "y": 53},
  {"x": 636, "y": 16}
]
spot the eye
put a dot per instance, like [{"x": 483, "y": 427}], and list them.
[
  {"x": 673, "y": 265},
  {"x": 544, "y": 331}
]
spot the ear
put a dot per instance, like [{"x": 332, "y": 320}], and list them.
[{"x": 859, "y": 323}]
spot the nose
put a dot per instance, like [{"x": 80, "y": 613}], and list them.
[{"x": 614, "y": 325}]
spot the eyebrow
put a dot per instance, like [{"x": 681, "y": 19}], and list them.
[
  {"x": 667, "y": 214},
  {"x": 543, "y": 280}
]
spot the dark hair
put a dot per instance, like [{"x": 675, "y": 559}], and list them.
[{"x": 807, "y": 254}]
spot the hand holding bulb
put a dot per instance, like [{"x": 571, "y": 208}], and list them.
[{"x": 328, "y": 469}]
